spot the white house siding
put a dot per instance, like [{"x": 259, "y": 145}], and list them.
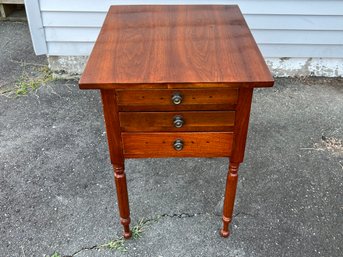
[{"x": 297, "y": 37}]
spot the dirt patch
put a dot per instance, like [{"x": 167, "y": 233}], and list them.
[{"x": 329, "y": 144}]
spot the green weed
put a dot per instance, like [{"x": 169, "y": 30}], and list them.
[
  {"x": 28, "y": 84},
  {"x": 116, "y": 244},
  {"x": 138, "y": 229}
]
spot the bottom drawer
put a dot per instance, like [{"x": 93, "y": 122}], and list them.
[{"x": 206, "y": 144}]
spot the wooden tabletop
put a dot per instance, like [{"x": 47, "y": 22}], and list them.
[{"x": 175, "y": 44}]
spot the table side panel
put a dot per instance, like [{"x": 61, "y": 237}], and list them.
[
  {"x": 111, "y": 116},
  {"x": 242, "y": 124}
]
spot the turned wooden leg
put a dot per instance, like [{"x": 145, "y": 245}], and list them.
[
  {"x": 229, "y": 199},
  {"x": 123, "y": 200}
]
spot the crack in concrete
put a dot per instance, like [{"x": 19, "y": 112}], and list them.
[
  {"x": 182, "y": 215},
  {"x": 83, "y": 249}
]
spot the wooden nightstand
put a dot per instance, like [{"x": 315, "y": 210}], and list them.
[{"x": 176, "y": 81}]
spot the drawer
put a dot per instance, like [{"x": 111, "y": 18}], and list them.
[
  {"x": 178, "y": 99},
  {"x": 205, "y": 144},
  {"x": 177, "y": 121}
]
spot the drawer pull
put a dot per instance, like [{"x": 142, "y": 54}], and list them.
[
  {"x": 178, "y": 144},
  {"x": 176, "y": 98},
  {"x": 178, "y": 121}
]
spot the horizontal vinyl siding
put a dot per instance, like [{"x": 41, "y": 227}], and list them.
[
  {"x": 261, "y": 36},
  {"x": 255, "y": 21},
  {"x": 281, "y": 28},
  {"x": 302, "y": 7},
  {"x": 332, "y": 51}
]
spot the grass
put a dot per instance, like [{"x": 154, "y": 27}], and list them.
[
  {"x": 138, "y": 229},
  {"x": 27, "y": 84},
  {"x": 119, "y": 244},
  {"x": 116, "y": 244}
]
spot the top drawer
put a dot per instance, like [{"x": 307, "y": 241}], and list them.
[{"x": 179, "y": 99}]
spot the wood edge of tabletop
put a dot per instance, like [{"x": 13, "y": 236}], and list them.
[{"x": 129, "y": 86}]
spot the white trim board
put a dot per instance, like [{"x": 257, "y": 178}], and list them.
[
  {"x": 320, "y": 67},
  {"x": 34, "y": 18}
]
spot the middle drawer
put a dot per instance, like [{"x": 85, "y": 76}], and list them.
[{"x": 177, "y": 121}]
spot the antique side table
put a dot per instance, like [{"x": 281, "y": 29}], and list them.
[{"x": 176, "y": 81}]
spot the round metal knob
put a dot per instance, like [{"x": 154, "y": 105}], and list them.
[
  {"x": 178, "y": 121},
  {"x": 176, "y": 98},
  {"x": 178, "y": 144}
]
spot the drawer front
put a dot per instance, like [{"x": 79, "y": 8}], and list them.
[
  {"x": 177, "y": 121},
  {"x": 205, "y": 144},
  {"x": 179, "y": 99}
]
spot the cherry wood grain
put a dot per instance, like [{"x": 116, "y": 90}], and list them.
[
  {"x": 163, "y": 121},
  {"x": 200, "y": 144},
  {"x": 175, "y": 44},
  {"x": 192, "y": 99}
]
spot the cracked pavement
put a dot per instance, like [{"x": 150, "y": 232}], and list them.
[{"x": 57, "y": 191}]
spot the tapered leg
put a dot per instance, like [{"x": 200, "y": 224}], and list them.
[
  {"x": 123, "y": 199},
  {"x": 229, "y": 199},
  {"x": 237, "y": 156},
  {"x": 116, "y": 154}
]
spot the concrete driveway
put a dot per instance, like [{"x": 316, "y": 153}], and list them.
[{"x": 56, "y": 182}]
